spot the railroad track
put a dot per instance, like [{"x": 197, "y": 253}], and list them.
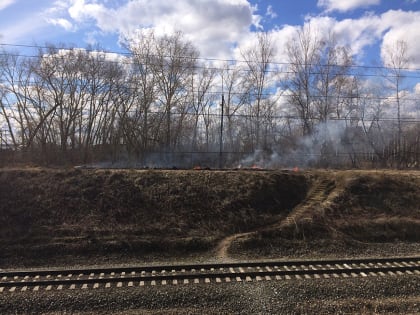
[{"x": 93, "y": 278}]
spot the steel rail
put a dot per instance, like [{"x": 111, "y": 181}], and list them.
[
  {"x": 179, "y": 267},
  {"x": 337, "y": 268}
]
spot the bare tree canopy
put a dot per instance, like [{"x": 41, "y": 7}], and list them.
[{"x": 160, "y": 105}]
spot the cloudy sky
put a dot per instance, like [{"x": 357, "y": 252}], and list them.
[{"x": 216, "y": 27}]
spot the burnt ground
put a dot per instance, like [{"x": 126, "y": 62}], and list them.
[{"x": 49, "y": 216}]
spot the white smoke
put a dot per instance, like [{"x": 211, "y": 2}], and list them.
[{"x": 324, "y": 147}]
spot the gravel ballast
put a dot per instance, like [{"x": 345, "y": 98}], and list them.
[{"x": 391, "y": 294}]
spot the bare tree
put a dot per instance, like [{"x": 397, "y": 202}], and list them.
[
  {"x": 331, "y": 75},
  {"x": 304, "y": 56},
  {"x": 396, "y": 62},
  {"x": 61, "y": 73},
  {"x": 143, "y": 82},
  {"x": 96, "y": 121},
  {"x": 202, "y": 99},
  {"x": 235, "y": 97},
  {"x": 9, "y": 79},
  {"x": 257, "y": 80},
  {"x": 71, "y": 93},
  {"x": 71, "y": 105},
  {"x": 173, "y": 65}
]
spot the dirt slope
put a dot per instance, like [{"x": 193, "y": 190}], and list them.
[
  {"x": 45, "y": 213},
  {"x": 348, "y": 212}
]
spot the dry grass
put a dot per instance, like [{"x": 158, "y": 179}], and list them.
[{"x": 46, "y": 212}]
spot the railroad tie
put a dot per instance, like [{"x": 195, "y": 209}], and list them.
[{"x": 22, "y": 281}]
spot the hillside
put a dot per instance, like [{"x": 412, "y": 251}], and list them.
[{"x": 48, "y": 214}]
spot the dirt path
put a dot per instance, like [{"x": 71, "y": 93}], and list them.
[
  {"x": 315, "y": 197},
  {"x": 224, "y": 245}
]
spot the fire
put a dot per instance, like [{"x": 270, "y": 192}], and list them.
[{"x": 201, "y": 168}]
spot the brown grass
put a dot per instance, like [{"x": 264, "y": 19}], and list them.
[
  {"x": 51, "y": 211},
  {"x": 47, "y": 212}
]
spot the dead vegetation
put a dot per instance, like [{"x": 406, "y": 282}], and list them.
[{"x": 45, "y": 213}]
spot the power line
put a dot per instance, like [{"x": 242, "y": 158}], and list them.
[
  {"x": 276, "y": 72},
  {"x": 228, "y": 61},
  {"x": 250, "y": 116},
  {"x": 131, "y": 86}
]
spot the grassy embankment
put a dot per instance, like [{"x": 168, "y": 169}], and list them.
[{"x": 47, "y": 213}]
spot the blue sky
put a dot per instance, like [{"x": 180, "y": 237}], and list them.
[
  {"x": 294, "y": 12},
  {"x": 216, "y": 27}
]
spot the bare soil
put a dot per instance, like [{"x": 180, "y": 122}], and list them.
[{"x": 54, "y": 216}]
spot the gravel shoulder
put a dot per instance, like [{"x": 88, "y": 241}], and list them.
[
  {"x": 370, "y": 295},
  {"x": 396, "y": 295}
]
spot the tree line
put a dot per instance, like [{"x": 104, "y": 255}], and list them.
[{"x": 161, "y": 104}]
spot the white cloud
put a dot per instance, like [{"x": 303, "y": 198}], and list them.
[
  {"x": 81, "y": 11},
  {"x": 212, "y": 25},
  {"x": 6, "y": 3},
  {"x": 371, "y": 29},
  {"x": 68, "y": 26},
  {"x": 58, "y": 6},
  {"x": 270, "y": 12},
  {"x": 403, "y": 26},
  {"x": 33, "y": 24},
  {"x": 28, "y": 27},
  {"x": 218, "y": 27},
  {"x": 345, "y": 5},
  {"x": 354, "y": 33}
]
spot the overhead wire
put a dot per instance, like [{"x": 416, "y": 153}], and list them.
[{"x": 230, "y": 62}]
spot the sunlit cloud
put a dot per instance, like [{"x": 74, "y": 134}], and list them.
[
  {"x": 6, "y": 3},
  {"x": 67, "y": 25},
  {"x": 346, "y": 5}
]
